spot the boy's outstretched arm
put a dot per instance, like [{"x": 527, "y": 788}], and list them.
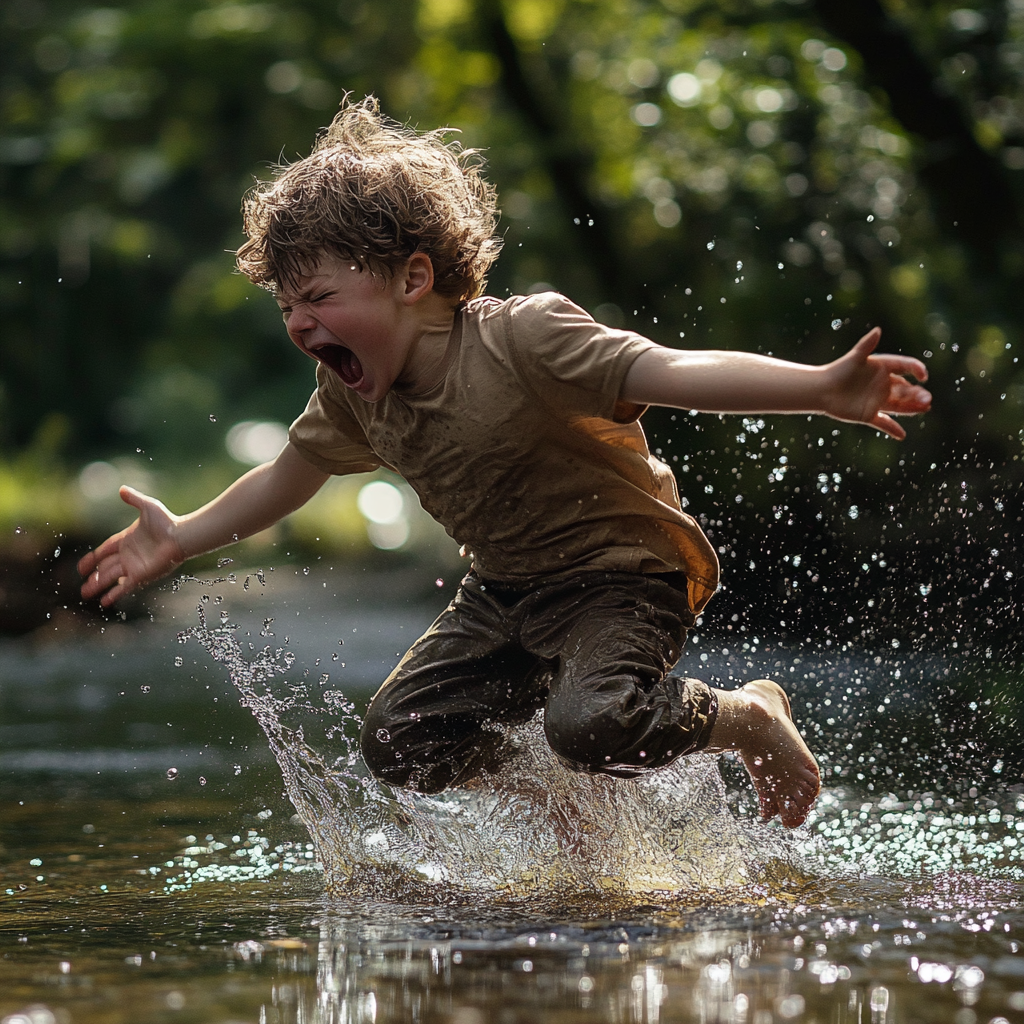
[
  {"x": 858, "y": 387},
  {"x": 158, "y": 541}
]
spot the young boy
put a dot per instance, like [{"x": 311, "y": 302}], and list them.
[{"x": 516, "y": 422}]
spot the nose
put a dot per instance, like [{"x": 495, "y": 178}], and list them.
[{"x": 299, "y": 319}]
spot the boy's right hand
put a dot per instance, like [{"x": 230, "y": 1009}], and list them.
[{"x": 139, "y": 554}]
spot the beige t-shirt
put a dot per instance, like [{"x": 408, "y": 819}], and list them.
[{"x": 523, "y": 451}]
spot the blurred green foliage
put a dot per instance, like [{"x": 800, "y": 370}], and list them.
[{"x": 748, "y": 173}]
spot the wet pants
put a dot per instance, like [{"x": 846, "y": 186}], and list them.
[{"x": 592, "y": 650}]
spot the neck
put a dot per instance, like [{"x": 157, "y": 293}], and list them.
[{"x": 426, "y": 363}]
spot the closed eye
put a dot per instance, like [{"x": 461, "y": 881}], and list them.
[{"x": 316, "y": 298}]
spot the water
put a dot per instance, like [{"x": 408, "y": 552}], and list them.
[{"x": 128, "y": 894}]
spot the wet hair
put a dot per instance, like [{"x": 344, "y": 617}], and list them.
[{"x": 374, "y": 192}]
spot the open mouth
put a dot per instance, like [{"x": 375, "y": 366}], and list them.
[{"x": 342, "y": 361}]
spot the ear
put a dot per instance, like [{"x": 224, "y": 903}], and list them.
[{"x": 418, "y": 278}]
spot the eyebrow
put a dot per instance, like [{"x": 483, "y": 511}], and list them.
[{"x": 302, "y": 295}]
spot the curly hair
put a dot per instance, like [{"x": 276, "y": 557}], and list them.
[{"x": 374, "y": 192}]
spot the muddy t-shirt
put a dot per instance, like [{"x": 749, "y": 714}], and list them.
[{"x": 523, "y": 451}]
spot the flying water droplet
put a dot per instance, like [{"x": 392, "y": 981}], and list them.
[
  {"x": 213, "y": 419},
  {"x": 202, "y": 781},
  {"x": 145, "y": 689},
  {"x": 383, "y": 735},
  {"x": 56, "y": 553},
  {"x": 836, "y": 324},
  {"x": 172, "y": 774},
  {"x": 177, "y": 662}
]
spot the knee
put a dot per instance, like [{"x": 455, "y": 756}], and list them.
[
  {"x": 583, "y": 742},
  {"x": 382, "y": 755},
  {"x": 398, "y": 754}
]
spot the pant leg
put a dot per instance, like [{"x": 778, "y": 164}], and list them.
[
  {"x": 436, "y": 722},
  {"x": 613, "y": 708}
]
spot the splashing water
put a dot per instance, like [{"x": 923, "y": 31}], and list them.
[{"x": 534, "y": 828}]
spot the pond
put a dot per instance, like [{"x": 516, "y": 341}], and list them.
[{"x": 184, "y": 836}]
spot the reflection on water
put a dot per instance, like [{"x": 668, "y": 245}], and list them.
[
  {"x": 546, "y": 897},
  {"x": 108, "y": 938}
]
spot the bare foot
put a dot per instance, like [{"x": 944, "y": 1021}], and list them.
[{"x": 756, "y": 722}]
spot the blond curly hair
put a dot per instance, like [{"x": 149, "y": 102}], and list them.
[{"x": 374, "y": 192}]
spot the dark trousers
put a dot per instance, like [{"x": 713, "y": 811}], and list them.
[{"x": 593, "y": 651}]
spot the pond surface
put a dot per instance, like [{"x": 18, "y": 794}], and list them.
[{"x": 152, "y": 867}]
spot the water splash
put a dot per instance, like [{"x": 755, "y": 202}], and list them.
[{"x": 533, "y": 828}]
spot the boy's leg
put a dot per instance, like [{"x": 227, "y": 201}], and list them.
[
  {"x": 613, "y": 708},
  {"x": 438, "y": 719},
  {"x": 755, "y": 721}
]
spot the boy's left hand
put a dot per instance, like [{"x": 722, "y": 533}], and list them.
[{"x": 863, "y": 387}]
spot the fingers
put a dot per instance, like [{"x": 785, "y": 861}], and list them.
[
  {"x": 867, "y": 344},
  {"x": 87, "y": 563},
  {"x": 115, "y": 594},
  {"x": 102, "y": 577},
  {"x": 135, "y": 498},
  {"x": 903, "y": 366},
  {"x": 887, "y": 425}
]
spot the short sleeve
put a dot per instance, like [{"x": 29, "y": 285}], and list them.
[
  {"x": 569, "y": 360},
  {"x": 328, "y": 436}
]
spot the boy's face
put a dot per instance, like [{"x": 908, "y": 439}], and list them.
[{"x": 353, "y": 322}]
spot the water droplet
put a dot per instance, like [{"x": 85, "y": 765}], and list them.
[
  {"x": 224, "y": 617},
  {"x": 305, "y": 571},
  {"x": 334, "y": 656},
  {"x": 177, "y": 662},
  {"x": 383, "y": 736},
  {"x": 836, "y": 324},
  {"x": 56, "y": 553},
  {"x": 325, "y": 678},
  {"x": 739, "y": 264},
  {"x": 925, "y": 589},
  {"x": 439, "y": 582},
  {"x": 711, "y": 246},
  {"x": 238, "y": 769},
  {"x": 202, "y": 781},
  {"x": 172, "y": 774},
  {"x": 221, "y": 562},
  {"x": 213, "y": 419},
  {"x": 144, "y": 688}
]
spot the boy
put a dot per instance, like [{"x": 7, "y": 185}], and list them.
[{"x": 516, "y": 422}]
